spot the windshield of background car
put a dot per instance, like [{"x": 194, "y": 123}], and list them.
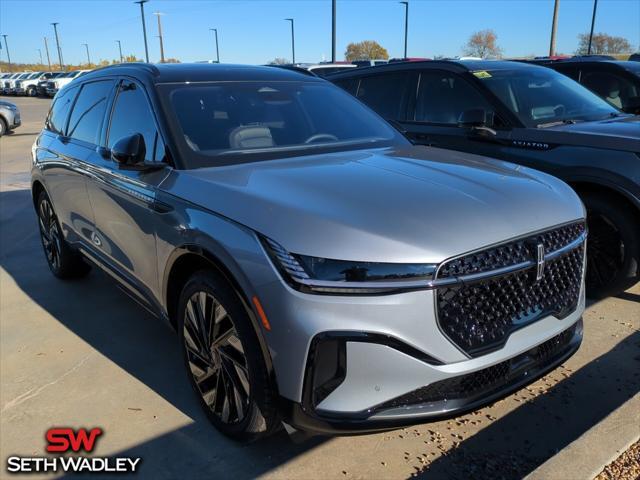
[
  {"x": 222, "y": 123},
  {"x": 543, "y": 96}
]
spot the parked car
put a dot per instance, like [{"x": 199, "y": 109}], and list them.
[
  {"x": 324, "y": 69},
  {"x": 535, "y": 117},
  {"x": 9, "y": 117},
  {"x": 29, "y": 86},
  {"x": 10, "y": 83},
  {"x": 370, "y": 63},
  {"x": 617, "y": 82},
  {"x": 43, "y": 84},
  {"x": 290, "y": 235},
  {"x": 56, "y": 84}
]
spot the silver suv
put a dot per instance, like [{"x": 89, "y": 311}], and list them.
[{"x": 319, "y": 269}]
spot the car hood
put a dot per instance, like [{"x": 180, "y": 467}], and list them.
[
  {"x": 415, "y": 204},
  {"x": 620, "y": 133}
]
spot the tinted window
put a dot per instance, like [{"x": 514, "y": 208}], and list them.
[
  {"x": 572, "y": 71},
  {"x": 348, "y": 84},
  {"x": 228, "y": 122},
  {"x": 540, "y": 96},
  {"x": 387, "y": 94},
  {"x": 60, "y": 109},
  {"x": 442, "y": 97},
  {"x": 131, "y": 115},
  {"x": 88, "y": 112},
  {"x": 615, "y": 89}
]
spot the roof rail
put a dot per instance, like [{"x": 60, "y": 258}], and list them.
[{"x": 151, "y": 68}]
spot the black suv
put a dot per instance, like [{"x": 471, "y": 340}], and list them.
[
  {"x": 617, "y": 82},
  {"x": 533, "y": 116}
]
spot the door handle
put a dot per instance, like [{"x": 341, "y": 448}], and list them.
[{"x": 160, "y": 207}]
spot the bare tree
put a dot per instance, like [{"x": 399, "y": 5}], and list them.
[
  {"x": 602, "y": 44},
  {"x": 483, "y": 44},
  {"x": 279, "y": 61},
  {"x": 365, "y": 50}
]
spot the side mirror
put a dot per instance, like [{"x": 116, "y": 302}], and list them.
[
  {"x": 476, "y": 117},
  {"x": 129, "y": 151}
]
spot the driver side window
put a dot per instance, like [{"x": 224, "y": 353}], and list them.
[
  {"x": 442, "y": 97},
  {"x": 132, "y": 114}
]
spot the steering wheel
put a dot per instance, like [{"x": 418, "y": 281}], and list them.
[{"x": 321, "y": 136}]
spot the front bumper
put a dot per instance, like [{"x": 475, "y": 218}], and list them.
[
  {"x": 52, "y": 92},
  {"x": 445, "y": 398},
  {"x": 20, "y": 91}
]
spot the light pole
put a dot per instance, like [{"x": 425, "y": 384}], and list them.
[
  {"x": 593, "y": 22},
  {"x": 7, "y": 47},
  {"x": 144, "y": 28},
  {"x": 406, "y": 26},
  {"x": 40, "y": 52},
  {"x": 86, "y": 45},
  {"x": 333, "y": 31},
  {"x": 46, "y": 49},
  {"x": 293, "y": 41},
  {"x": 157, "y": 14},
  {"x": 554, "y": 27},
  {"x": 120, "y": 49},
  {"x": 55, "y": 29},
  {"x": 215, "y": 31}
]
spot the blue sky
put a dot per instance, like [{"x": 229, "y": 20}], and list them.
[{"x": 253, "y": 31}]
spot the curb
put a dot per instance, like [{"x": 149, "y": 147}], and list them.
[{"x": 586, "y": 457}]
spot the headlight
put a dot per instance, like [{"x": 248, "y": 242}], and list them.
[{"x": 323, "y": 275}]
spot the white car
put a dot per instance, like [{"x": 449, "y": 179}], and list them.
[
  {"x": 29, "y": 85},
  {"x": 9, "y": 83},
  {"x": 323, "y": 69},
  {"x": 58, "y": 83}
]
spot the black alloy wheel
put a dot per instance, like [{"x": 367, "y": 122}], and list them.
[
  {"x": 216, "y": 358},
  {"x": 224, "y": 358}
]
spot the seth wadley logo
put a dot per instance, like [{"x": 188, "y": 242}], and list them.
[{"x": 65, "y": 440}]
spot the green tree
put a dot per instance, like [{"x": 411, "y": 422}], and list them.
[
  {"x": 602, "y": 44},
  {"x": 483, "y": 44},
  {"x": 365, "y": 50}
]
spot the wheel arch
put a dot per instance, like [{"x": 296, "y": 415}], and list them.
[
  {"x": 188, "y": 259},
  {"x": 619, "y": 195}
]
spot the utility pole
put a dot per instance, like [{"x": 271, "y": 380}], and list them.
[
  {"x": 293, "y": 41},
  {"x": 86, "y": 45},
  {"x": 215, "y": 31},
  {"x": 157, "y": 14},
  {"x": 593, "y": 22},
  {"x": 120, "y": 49},
  {"x": 406, "y": 26},
  {"x": 554, "y": 27},
  {"x": 333, "y": 31},
  {"x": 144, "y": 28},
  {"x": 55, "y": 29},
  {"x": 46, "y": 49},
  {"x": 40, "y": 52},
  {"x": 7, "y": 47}
]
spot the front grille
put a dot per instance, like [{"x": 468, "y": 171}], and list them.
[
  {"x": 479, "y": 316},
  {"x": 498, "y": 377}
]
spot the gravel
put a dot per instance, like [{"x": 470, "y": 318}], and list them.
[{"x": 625, "y": 467}]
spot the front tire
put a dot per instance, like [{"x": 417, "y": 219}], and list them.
[
  {"x": 3, "y": 127},
  {"x": 63, "y": 262},
  {"x": 613, "y": 246},
  {"x": 31, "y": 92},
  {"x": 223, "y": 359}
]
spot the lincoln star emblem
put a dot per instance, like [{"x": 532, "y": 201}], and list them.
[{"x": 540, "y": 262}]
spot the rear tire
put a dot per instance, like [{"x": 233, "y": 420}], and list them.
[
  {"x": 63, "y": 262},
  {"x": 3, "y": 127},
  {"x": 224, "y": 360},
  {"x": 613, "y": 246}
]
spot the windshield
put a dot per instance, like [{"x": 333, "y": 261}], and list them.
[
  {"x": 232, "y": 122},
  {"x": 541, "y": 96}
]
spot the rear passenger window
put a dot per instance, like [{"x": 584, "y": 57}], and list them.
[
  {"x": 88, "y": 112},
  {"x": 387, "y": 94},
  {"x": 60, "y": 109},
  {"x": 131, "y": 115},
  {"x": 442, "y": 97}
]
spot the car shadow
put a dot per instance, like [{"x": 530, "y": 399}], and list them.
[
  {"x": 100, "y": 314},
  {"x": 514, "y": 445}
]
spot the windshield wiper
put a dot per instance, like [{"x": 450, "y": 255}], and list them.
[{"x": 567, "y": 121}]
